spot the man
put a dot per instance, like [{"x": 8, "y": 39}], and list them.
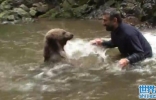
[{"x": 130, "y": 42}]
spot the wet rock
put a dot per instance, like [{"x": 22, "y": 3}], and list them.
[
  {"x": 5, "y": 2},
  {"x": 69, "y": 4},
  {"x": 132, "y": 8},
  {"x": 147, "y": 6},
  {"x": 11, "y": 18},
  {"x": 97, "y": 13},
  {"x": 77, "y": 12},
  {"x": 21, "y": 12},
  {"x": 109, "y": 3},
  {"x": 19, "y": 9},
  {"x": 132, "y": 20},
  {"x": 5, "y": 14},
  {"x": 27, "y": 20},
  {"x": 17, "y": 3},
  {"x": 1, "y": 1},
  {"x": 8, "y": 22},
  {"x": 82, "y": 10},
  {"x": 5, "y": 5},
  {"x": 51, "y": 13},
  {"x": 82, "y": 2},
  {"x": 40, "y": 7},
  {"x": 32, "y": 11},
  {"x": 74, "y": 3},
  {"x": 123, "y": 4},
  {"x": 63, "y": 14},
  {"x": 59, "y": 14},
  {"x": 24, "y": 7},
  {"x": 129, "y": 9},
  {"x": 56, "y": 15}
]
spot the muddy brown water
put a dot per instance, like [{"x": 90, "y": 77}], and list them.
[{"x": 21, "y": 48}]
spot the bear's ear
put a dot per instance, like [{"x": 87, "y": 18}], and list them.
[
  {"x": 51, "y": 37},
  {"x": 64, "y": 33}
]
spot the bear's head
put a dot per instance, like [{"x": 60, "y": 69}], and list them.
[
  {"x": 55, "y": 40},
  {"x": 58, "y": 37}
]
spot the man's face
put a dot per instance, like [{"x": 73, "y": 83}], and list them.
[{"x": 109, "y": 24}]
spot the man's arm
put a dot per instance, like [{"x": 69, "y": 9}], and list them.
[
  {"x": 134, "y": 43},
  {"x": 108, "y": 44}
]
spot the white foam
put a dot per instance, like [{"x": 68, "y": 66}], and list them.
[
  {"x": 81, "y": 48},
  {"x": 78, "y": 48},
  {"x": 52, "y": 72},
  {"x": 152, "y": 40}
]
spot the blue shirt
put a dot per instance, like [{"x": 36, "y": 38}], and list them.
[{"x": 130, "y": 42}]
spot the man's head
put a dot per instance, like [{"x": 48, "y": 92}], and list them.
[{"x": 111, "y": 19}]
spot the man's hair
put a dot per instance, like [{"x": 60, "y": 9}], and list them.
[{"x": 113, "y": 13}]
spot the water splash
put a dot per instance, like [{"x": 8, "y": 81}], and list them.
[
  {"x": 81, "y": 48},
  {"x": 151, "y": 37}
]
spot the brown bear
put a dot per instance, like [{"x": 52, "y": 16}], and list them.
[{"x": 54, "y": 42}]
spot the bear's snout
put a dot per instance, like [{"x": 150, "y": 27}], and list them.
[{"x": 69, "y": 35}]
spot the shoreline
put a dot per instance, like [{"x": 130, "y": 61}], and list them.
[
  {"x": 139, "y": 25},
  {"x": 23, "y": 11}
]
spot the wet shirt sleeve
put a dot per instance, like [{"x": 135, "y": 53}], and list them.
[
  {"x": 135, "y": 46},
  {"x": 108, "y": 44}
]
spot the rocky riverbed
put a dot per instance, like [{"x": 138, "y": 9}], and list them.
[{"x": 136, "y": 12}]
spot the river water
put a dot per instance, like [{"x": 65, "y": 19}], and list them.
[{"x": 96, "y": 76}]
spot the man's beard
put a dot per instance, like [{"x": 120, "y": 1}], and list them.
[{"x": 109, "y": 27}]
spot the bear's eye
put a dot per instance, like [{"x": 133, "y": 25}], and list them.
[{"x": 63, "y": 33}]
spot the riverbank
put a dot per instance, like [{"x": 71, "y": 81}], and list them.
[{"x": 141, "y": 13}]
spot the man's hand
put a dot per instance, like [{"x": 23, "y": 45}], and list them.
[
  {"x": 97, "y": 42},
  {"x": 124, "y": 62}
]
